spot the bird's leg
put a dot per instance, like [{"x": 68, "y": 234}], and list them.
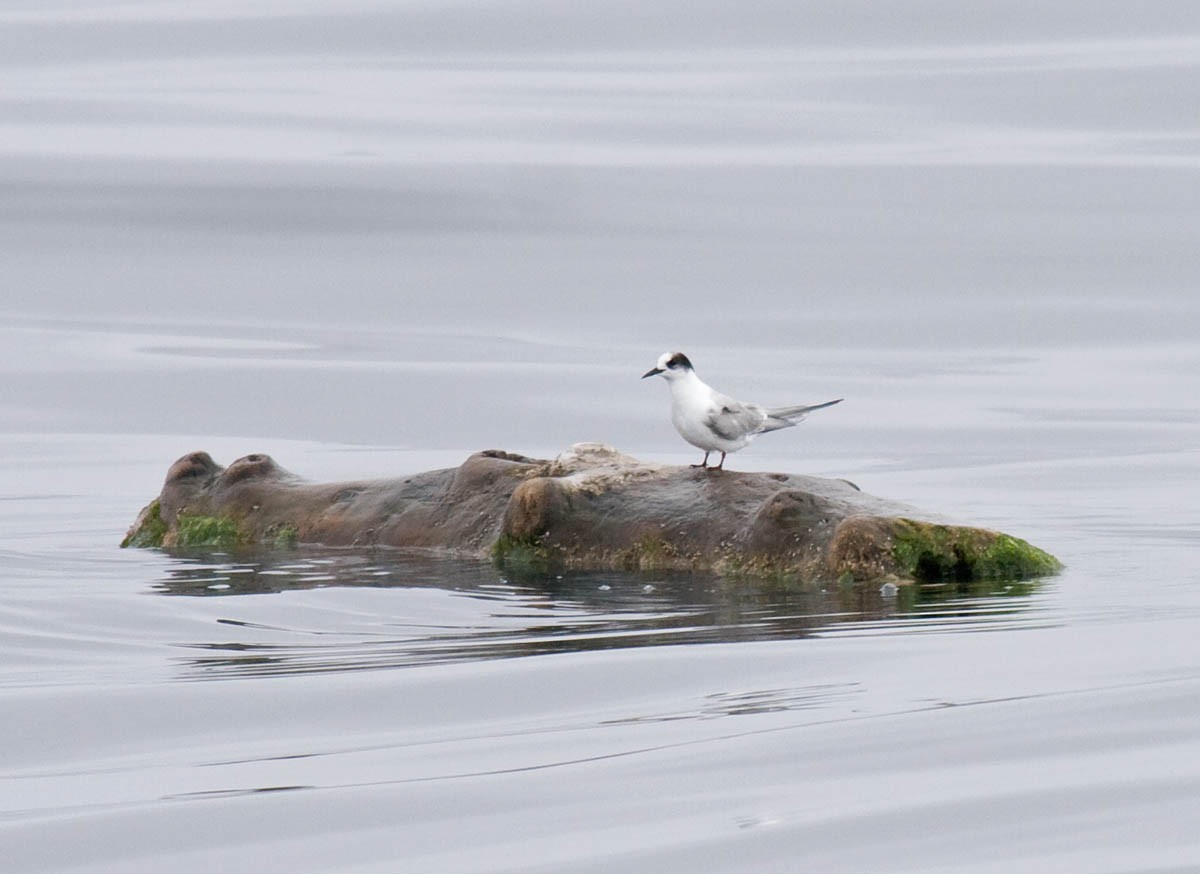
[
  {"x": 721, "y": 463},
  {"x": 704, "y": 463}
]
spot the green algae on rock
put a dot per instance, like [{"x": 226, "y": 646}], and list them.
[
  {"x": 218, "y": 532},
  {"x": 916, "y": 550},
  {"x": 523, "y": 555},
  {"x": 283, "y": 536},
  {"x": 931, "y": 553},
  {"x": 149, "y": 528}
]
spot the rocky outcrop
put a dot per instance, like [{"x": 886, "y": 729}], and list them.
[{"x": 592, "y": 507}]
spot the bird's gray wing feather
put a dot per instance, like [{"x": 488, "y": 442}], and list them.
[
  {"x": 786, "y": 417},
  {"x": 732, "y": 420},
  {"x": 799, "y": 411}
]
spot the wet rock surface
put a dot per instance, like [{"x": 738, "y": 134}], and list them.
[{"x": 591, "y": 507}]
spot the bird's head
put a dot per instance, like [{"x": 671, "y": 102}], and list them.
[{"x": 670, "y": 366}]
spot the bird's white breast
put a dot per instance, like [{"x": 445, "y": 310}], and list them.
[{"x": 691, "y": 408}]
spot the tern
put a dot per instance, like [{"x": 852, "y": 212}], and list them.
[{"x": 715, "y": 422}]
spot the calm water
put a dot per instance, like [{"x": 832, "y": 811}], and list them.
[{"x": 374, "y": 240}]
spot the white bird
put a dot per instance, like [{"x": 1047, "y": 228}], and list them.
[{"x": 715, "y": 422}]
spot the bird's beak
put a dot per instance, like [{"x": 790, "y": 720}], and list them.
[{"x": 654, "y": 371}]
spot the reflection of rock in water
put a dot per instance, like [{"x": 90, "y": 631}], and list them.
[
  {"x": 591, "y": 508},
  {"x": 553, "y": 613},
  {"x": 255, "y": 570}
]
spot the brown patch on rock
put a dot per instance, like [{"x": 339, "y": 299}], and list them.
[
  {"x": 789, "y": 521},
  {"x": 537, "y": 506},
  {"x": 256, "y": 466},
  {"x": 192, "y": 466},
  {"x": 862, "y": 547}
]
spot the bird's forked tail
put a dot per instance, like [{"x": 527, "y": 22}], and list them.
[{"x": 785, "y": 417}]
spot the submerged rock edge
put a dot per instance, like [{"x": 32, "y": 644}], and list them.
[{"x": 591, "y": 508}]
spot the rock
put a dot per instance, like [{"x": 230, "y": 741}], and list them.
[{"x": 590, "y": 508}]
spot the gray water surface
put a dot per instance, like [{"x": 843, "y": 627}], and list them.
[{"x": 370, "y": 239}]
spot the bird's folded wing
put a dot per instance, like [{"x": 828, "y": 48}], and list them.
[{"x": 730, "y": 419}]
